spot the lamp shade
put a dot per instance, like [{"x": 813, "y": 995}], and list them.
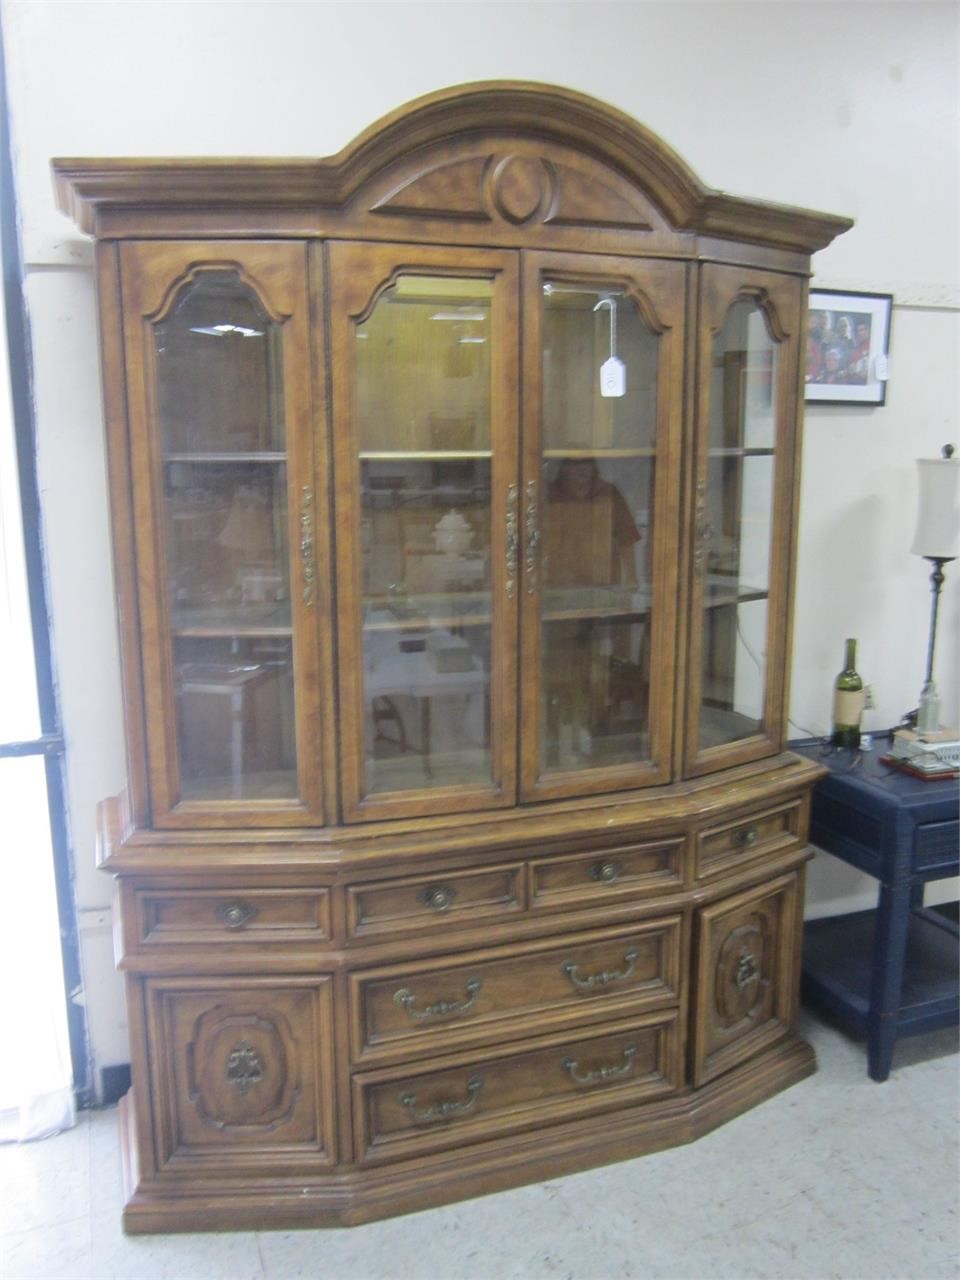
[{"x": 938, "y": 511}]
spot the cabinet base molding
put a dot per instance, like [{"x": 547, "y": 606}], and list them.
[{"x": 355, "y": 1195}]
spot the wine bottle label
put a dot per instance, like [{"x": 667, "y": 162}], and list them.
[{"x": 847, "y": 706}]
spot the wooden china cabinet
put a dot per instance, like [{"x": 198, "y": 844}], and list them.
[{"x": 454, "y": 487}]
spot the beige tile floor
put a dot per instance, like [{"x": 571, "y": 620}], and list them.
[{"x": 837, "y": 1177}]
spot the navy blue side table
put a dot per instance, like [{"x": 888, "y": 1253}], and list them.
[{"x": 892, "y": 971}]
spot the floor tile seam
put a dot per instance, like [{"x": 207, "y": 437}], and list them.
[
  {"x": 824, "y": 1217},
  {"x": 47, "y": 1225}
]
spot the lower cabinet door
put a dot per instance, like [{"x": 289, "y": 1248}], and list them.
[
  {"x": 747, "y": 975},
  {"x": 242, "y": 1073},
  {"x": 553, "y": 1079}
]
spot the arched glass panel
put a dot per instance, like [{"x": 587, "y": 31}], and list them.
[
  {"x": 423, "y": 403},
  {"x": 736, "y": 517},
  {"x": 599, "y": 473},
  {"x": 222, "y": 433}
]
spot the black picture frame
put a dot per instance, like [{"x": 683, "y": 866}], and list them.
[{"x": 848, "y": 347}]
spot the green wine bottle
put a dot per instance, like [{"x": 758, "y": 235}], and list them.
[{"x": 847, "y": 701}]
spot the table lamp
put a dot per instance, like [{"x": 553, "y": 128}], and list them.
[{"x": 937, "y": 539}]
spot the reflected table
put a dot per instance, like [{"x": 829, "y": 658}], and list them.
[{"x": 391, "y": 672}]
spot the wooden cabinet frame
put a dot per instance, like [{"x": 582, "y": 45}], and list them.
[{"x": 653, "y": 909}]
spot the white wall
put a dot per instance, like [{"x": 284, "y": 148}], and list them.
[{"x": 845, "y": 107}]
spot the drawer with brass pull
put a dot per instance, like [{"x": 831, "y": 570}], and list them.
[
  {"x": 443, "y": 901},
  {"x": 403, "y": 1112},
  {"x": 754, "y": 835},
  {"x": 604, "y": 874},
  {"x": 414, "y": 1007},
  {"x": 247, "y": 917}
]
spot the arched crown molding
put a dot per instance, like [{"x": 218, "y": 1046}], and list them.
[{"x": 505, "y": 109}]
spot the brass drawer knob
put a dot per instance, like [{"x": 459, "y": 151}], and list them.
[
  {"x": 746, "y": 837},
  {"x": 234, "y": 915},
  {"x": 439, "y": 897},
  {"x": 606, "y": 872}
]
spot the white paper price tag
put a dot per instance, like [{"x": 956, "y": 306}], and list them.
[{"x": 613, "y": 377}]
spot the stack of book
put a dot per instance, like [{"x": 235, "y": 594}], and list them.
[{"x": 931, "y": 754}]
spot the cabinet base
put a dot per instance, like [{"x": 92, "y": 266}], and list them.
[{"x": 350, "y": 1196}]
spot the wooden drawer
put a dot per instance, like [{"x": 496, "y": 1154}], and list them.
[
  {"x": 481, "y": 995},
  {"x": 441, "y": 902},
  {"x": 748, "y": 974},
  {"x": 242, "y": 1068},
  {"x": 245, "y": 917},
  {"x": 602, "y": 874},
  {"x": 557, "y": 1078},
  {"x": 753, "y": 835}
]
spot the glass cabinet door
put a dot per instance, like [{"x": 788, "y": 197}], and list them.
[
  {"x": 603, "y": 351},
  {"x": 227, "y": 530},
  {"x": 424, "y": 354},
  {"x": 747, "y": 391}
]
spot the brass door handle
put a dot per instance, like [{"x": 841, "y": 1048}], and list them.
[
  {"x": 532, "y": 529},
  {"x": 512, "y": 539},
  {"x": 307, "y": 564}
]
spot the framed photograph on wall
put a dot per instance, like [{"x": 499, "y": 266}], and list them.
[{"x": 848, "y": 344}]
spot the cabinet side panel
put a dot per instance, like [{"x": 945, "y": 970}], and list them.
[{"x": 122, "y": 525}]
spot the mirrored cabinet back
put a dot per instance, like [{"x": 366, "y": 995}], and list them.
[{"x": 454, "y": 485}]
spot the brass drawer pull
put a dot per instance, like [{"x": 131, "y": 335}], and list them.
[
  {"x": 605, "y": 977},
  {"x": 438, "y": 897},
  {"x": 440, "y": 1008},
  {"x": 606, "y": 872},
  {"x": 746, "y": 837},
  {"x": 513, "y": 539},
  {"x": 601, "y": 1075},
  {"x": 443, "y": 1110},
  {"x": 234, "y": 915}
]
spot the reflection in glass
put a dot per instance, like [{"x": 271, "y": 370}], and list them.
[
  {"x": 227, "y": 544},
  {"x": 235, "y": 716},
  {"x": 423, "y": 403},
  {"x": 225, "y": 490},
  {"x": 423, "y": 367},
  {"x": 580, "y": 333},
  {"x": 738, "y": 505},
  {"x": 597, "y": 498},
  {"x": 218, "y": 370}
]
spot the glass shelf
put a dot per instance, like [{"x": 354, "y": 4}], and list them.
[
  {"x": 210, "y": 455},
  {"x": 647, "y": 452},
  {"x": 736, "y": 452},
  {"x": 423, "y": 455},
  {"x": 417, "y": 613},
  {"x": 721, "y": 591},
  {"x": 594, "y": 602},
  {"x": 237, "y": 620}
]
